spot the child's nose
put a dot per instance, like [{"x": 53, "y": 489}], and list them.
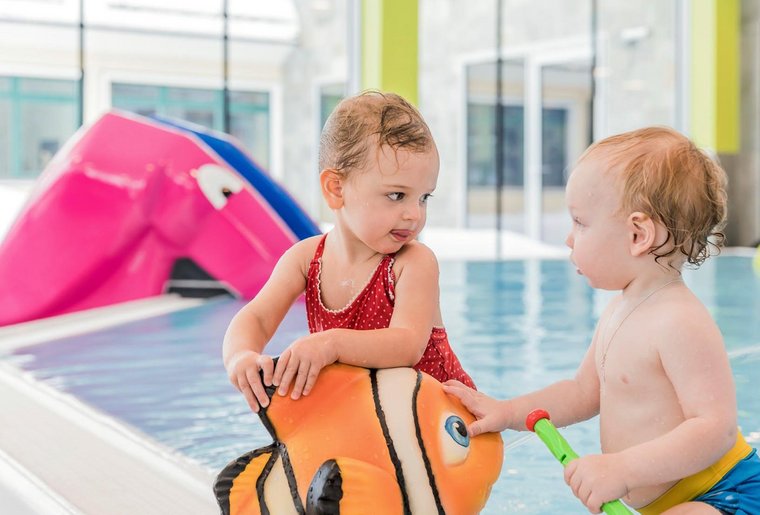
[
  {"x": 569, "y": 240},
  {"x": 412, "y": 212}
]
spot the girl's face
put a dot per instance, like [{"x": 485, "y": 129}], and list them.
[
  {"x": 598, "y": 238},
  {"x": 385, "y": 205}
]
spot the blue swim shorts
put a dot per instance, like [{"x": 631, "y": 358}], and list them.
[{"x": 739, "y": 490}]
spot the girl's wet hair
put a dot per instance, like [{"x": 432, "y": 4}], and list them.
[
  {"x": 664, "y": 175},
  {"x": 368, "y": 119}
]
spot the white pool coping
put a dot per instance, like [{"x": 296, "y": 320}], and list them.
[
  {"x": 83, "y": 461},
  {"x": 22, "y": 493},
  {"x": 72, "y": 324},
  {"x": 60, "y": 456}
]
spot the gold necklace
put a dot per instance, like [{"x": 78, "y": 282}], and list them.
[{"x": 609, "y": 342}]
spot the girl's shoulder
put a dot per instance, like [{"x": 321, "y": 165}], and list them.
[
  {"x": 415, "y": 250},
  {"x": 302, "y": 252},
  {"x": 307, "y": 245},
  {"x": 413, "y": 255}
]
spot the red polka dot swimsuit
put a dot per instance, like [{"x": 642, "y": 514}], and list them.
[{"x": 372, "y": 309}]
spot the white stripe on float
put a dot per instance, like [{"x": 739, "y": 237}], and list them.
[
  {"x": 277, "y": 491},
  {"x": 396, "y": 389}
]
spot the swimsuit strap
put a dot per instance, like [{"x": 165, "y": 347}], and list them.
[{"x": 320, "y": 249}]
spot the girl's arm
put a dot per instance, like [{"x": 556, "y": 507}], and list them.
[
  {"x": 253, "y": 326},
  {"x": 401, "y": 344}
]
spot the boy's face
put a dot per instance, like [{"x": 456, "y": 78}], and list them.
[
  {"x": 385, "y": 205},
  {"x": 598, "y": 238}
]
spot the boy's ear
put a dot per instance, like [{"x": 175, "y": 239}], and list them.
[
  {"x": 642, "y": 233},
  {"x": 332, "y": 187}
]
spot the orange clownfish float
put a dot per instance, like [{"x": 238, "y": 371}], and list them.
[{"x": 364, "y": 441}]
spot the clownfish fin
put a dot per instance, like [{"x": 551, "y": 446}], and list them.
[
  {"x": 235, "y": 486},
  {"x": 325, "y": 490},
  {"x": 258, "y": 482},
  {"x": 346, "y": 485}
]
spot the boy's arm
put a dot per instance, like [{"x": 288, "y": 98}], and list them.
[
  {"x": 569, "y": 401},
  {"x": 253, "y": 326},
  {"x": 694, "y": 359}
]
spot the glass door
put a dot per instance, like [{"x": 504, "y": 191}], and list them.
[
  {"x": 566, "y": 90},
  {"x": 482, "y": 204}
]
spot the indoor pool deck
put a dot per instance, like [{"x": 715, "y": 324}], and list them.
[
  {"x": 58, "y": 456},
  {"x": 89, "y": 465}
]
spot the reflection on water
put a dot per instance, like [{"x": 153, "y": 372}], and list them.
[{"x": 516, "y": 325}]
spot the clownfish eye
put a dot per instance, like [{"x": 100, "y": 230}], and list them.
[
  {"x": 455, "y": 440},
  {"x": 456, "y": 427}
]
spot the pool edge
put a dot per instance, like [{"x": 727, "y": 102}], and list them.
[{"x": 89, "y": 460}]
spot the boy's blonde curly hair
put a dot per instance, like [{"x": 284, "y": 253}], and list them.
[
  {"x": 663, "y": 174},
  {"x": 371, "y": 117}
]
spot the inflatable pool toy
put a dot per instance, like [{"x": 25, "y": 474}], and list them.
[
  {"x": 756, "y": 261},
  {"x": 387, "y": 441},
  {"x": 538, "y": 421},
  {"x": 133, "y": 207}
]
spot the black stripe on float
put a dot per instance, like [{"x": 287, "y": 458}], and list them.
[
  {"x": 263, "y": 479},
  {"x": 270, "y": 390},
  {"x": 428, "y": 467},
  {"x": 267, "y": 423},
  {"x": 290, "y": 474},
  {"x": 226, "y": 478},
  {"x": 389, "y": 443}
]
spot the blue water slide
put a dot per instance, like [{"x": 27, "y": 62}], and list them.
[{"x": 277, "y": 197}]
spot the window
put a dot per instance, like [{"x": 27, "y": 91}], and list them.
[
  {"x": 249, "y": 111},
  {"x": 249, "y": 123},
  {"x": 481, "y": 136},
  {"x": 555, "y": 151},
  {"x": 37, "y": 116},
  {"x": 329, "y": 97}
]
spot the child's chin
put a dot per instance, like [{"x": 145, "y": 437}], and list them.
[{"x": 387, "y": 248}]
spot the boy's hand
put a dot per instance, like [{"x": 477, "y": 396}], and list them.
[
  {"x": 489, "y": 411},
  {"x": 596, "y": 479},
  {"x": 301, "y": 363},
  {"x": 244, "y": 375}
]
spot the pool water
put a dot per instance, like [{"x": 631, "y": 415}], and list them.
[{"x": 516, "y": 326}]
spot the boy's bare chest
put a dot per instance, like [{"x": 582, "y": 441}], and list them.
[
  {"x": 635, "y": 391},
  {"x": 628, "y": 365},
  {"x": 637, "y": 401}
]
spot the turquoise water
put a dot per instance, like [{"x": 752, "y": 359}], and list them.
[{"x": 516, "y": 326}]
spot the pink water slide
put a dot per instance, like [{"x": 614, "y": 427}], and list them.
[{"x": 128, "y": 208}]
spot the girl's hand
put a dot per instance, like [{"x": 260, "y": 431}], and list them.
[
  {"x": 243, "y": 371},
  {"x": 301, "y": 363},
  {"x": 596, "y": 479},
  {"x": 490, "y": 413}
]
